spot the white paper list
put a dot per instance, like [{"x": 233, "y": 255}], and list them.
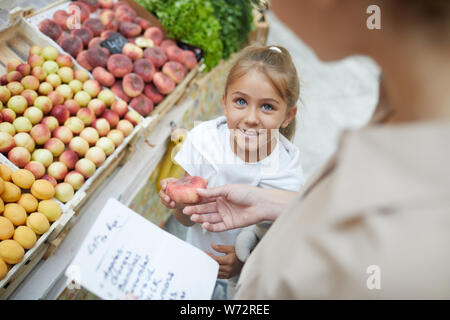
[{"x": 124, "y": 254}]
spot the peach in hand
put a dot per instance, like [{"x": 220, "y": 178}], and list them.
[{"x": 184, "y": 190}]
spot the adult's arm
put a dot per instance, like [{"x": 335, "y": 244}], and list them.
[{"x": 237, "y": 205}]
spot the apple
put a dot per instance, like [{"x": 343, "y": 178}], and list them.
[
  {"x": 43, "y": 156},
  {"x": 106, "y": 144},
  {"x": 29, "y": 95},
  {"x": 23, "y": 139},
  {"x": 74, "y": 178},
  {"x": 79, "y": 145},
  {"x": 34, "y": 114}
]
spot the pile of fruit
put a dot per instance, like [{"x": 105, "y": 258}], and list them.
[
  {"x": 149, "y": 66},
  {"x": 26, "y": 212},
  {"x": 58, "y": 123}
]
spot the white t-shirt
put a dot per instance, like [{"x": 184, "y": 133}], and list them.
[{"x": 207, "y": 153}]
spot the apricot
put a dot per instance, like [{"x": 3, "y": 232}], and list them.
[
  {"x": 42, "y": 189},
  {"x": 38, "y": 222},
  {"x": 28, "y": 202},
  {"x": 23, "y": 178},
  {"x": 11, "y": 251},
  {"x": 50, "y": 209},
  {"x": 11, "y": 193},
  {"x": 6, "y": 228},
  {"x": 3, "y": 269},
  {"x": 5, "y": 172},
  {"x": 15, "y": 213},
  {"x": 25, "y": 236}
]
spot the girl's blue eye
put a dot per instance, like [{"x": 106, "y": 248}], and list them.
[
  {"x": 267, "y": 107},
  {"x": 241, "y": 102}
]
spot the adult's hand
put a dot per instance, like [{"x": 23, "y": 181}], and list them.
[{"x": 235, "y": 206}]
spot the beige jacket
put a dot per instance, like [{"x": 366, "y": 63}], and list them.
[{"x": 376, "y": 216}]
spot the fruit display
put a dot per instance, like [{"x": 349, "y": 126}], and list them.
[
  {"x": 57, "y": 122},
  {"x": 27, "y": 210},
  {"x": 146, "y": 69}
]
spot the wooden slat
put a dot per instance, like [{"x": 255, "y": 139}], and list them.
[{"x": 6, "y": 54}]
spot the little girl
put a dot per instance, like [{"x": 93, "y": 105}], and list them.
[{"x": 244, "y": 147}]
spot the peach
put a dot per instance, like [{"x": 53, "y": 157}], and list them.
[
  {"x": 125, "y": 13},
  {"x": 92, "y": 87},
  {"x": 54, "y": 80},
  {"x": 143, "y": 23},
  {"x": 74, "y": 178},
  {"x": 69, "y": 158},
  {"x": 8, "y": 115},
  {"x": 116, "y": 136},
  {"x": 73, "y": 45},
  {"x": 4, "y": 80},
  {"x": 120, "y": 107},
  {"x": 144, "y": 68},
  {"x": 106, "y": 4},
  {"x": 130, "y": 29},
  {"x": 24, "y": 69},
  {"x": 134, "y": 117},
  {"x": 82, "y": 98},
  {"x": 35, "y": 60},
  {"x": 39, "y": 73},
  {"x": 86, "y": 115},
  {"x": 45, "y": 88},
  {"x": 65, "y": 91},
  {"x": 56, "y": 97},
  {"x": 50, "y": 179},
  {"x": 23, "y": 139},
  {"x": 125, "y": 127},
  {"x": 95, "y": 42},
  {"x": 163, "y": 83},
  {"x": 107, "y": 96},
  {"x": 5, "y": 94},
  {"x": 50, "y": 28},
  {"x": 79, "y": 145},
  {"x": 108, "y": 18},
  {"x": 64, "y": 192},
  {"x": 34, "y": 49},
  {"x": 106, "y": 144},
  {"x": 119, "y": 65},
  {"x": 51, "y": 123},
  {"x": 22, "y": 124},
  {"x": 96, "y": 155},
  {"x": 61, "y": 113},
  {"x": 30, "y": 82},
  {"x": 50, "y": 67},
  {"x": 20, "y": 156},
  {"x": 6, "y": 142},
  {"x": 167, "y": 43},
  {"x": 63, "y": 133},
  {"x": 55, "y": 146},
  {"x": 104, "y": 77},
  {"x": 142, "y": 104},
  {"x": 60, "y": 17},
  {"x": 18, "y": 104},
  {"x": 64, "y": 60},
  {"x": 102, "y": 126},
  {"x": 174, "y": 53},
  {"x": 97, "y": 106},
  {"x": 95, "y": 25},
  {"x": 40, "y": 133},
  {"x": 90, "y": 135},
  {"x": 184, "y": 190},
  {"x": 83, "y": 10},
  {"x": 49, "y": 53},
  {"x": 43, "y": 103},
  {"x": 174, "y": 70},
  {"x": 132, "y": 51},
  {"x": 81, "y": 75},
  {"x": 112, "y": 117},
  {"x": 75, "y": 124},
  {"x": 117, "y": 89},
  {"x": 96, "y": 57},
  {"x": 85, "y": 34},
  {"x": 133, "y": 85},
  {"x": 93, "y": 5},
  {"x": 155, "y": 34},
  {"x": 143, "y": 42},
  {"x": 106, "y": 34},
  {"x": 7, "y": 127},
  {"x": 29, "y": 95},
  {"x": 14, "y": 76},
  {"x": 33, "y": 114},
  {"x": 43, "y": 156},
  {"x": 153, "y": 94},
  {"x": 61, "y": 38},
  {"x": 15, "y": 87},
  {"x": 82, "y": 60},
  {"x": 156, "y": 55},
  {"x": 75, "y": 85},
  {"x": 66, "y": 74},
  {"x": 86, "y": 167},
  {"x": 36, "y": 168},
  {"x": 12, "y": 64},
  {"x": 72, "y": 106},
  {"x": 57, "y": 170}
]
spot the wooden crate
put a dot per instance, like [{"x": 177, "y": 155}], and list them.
[{"x": 15, "y": 42}]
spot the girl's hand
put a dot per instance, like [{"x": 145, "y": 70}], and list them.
[
  {"x": 229, "y": 264},
  {"x": 165, "y": 199}
]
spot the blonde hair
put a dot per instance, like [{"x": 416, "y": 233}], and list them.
[{"x": 276, "y": 64}]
